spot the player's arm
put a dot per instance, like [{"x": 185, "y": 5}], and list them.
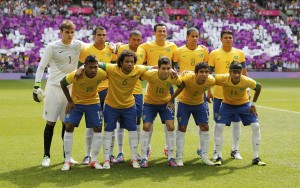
[
  {"x": 257, "y": 90},
  {"x": 209, "y": 95},
  {"x": 46, "y": 57},
  {"x": 63, "y": 85},
  {"x": 179, "y": 89}
]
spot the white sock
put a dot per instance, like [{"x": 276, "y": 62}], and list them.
[
  {"x": 68, "y": 143},
  {"x": 111, "y": 151},
  {"x": 166, "y": 136},
  {"x": 107, "y": 139},
  {"x": 97, "y": 141},
  {"x": 89, "y": 132},
  {"x": 255, "y": 138},
  {"x": 180, "y": 139},
  {"x": 236, "y": 132},
  {"x": 144, "y": 143},
  {"x": 133, "y": 143},
  {"x": 120, "y": 139},
  {"x": 150, "y": 135},
  {"x": 171, "y": 143},
  {"x": 215, "y": 129},
  {"x": 219, "y": 138},
  {"x": 204, "y": 143}
]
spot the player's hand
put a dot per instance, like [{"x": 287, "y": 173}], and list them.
[
  {"x": 79, "y": 73},
  {"x": 173, "y": 74},
  {"x": 37, "y": 91},
  {"x": 70, "y": 105},
  {"x": 209, "y": 96},
  {"x": 248, "y": 93},
  {"x": 252, "y": 109},
  {"x": 170, "y": 106}
]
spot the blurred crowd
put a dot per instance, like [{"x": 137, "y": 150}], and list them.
[{"x": 151, "y": 9}]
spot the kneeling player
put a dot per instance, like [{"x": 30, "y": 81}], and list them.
[{"x": 84, "y": 100}]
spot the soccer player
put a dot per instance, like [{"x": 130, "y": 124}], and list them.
[
  {"x": 104, "y": 54},
  {"x": 120, "y": 104},
  {"x": 83, "y": 100},
  {"x": 149, "y": 54},
  {"x": 191, "y": 101},
  {"x": 156, "y": 99},
  {"x": 62, "y": 56},
  {"x": 219, "y": 62},
  {"x": 188, "y": 55},
  {"x": 236, "y": 102},
  {"x": 135, "y": 39}
]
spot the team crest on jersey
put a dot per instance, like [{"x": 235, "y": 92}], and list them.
[
  {"x": 242, "y": 89},
  {"x": 236, "y": 57},
  {"x": 201, "y": 55},
  {"x": 133, "y": 76},
  {"x": 169, "y": 84},
  {"x": 108, "y": 54},
  {"x": 168, "y": 50},
  {"x": 98, "y": 81},
  {"x": 205, "y": 88}
]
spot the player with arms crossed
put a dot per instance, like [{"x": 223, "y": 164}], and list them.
[
  {"x": 191, "y": 101},
  {"x": 219, "y": 62},
  {"x": 62, "y": 57},
  {"x": 236, "y": 102},
  {"x": 156, "y": 99},
  {"x": 84, "y": 100}
]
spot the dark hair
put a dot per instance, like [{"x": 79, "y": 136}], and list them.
[
  {"x": 163, "y": 61},
  {"x": 235, "y": 66},
  {"x": 98, "y": 28},
  {"x": 135, "y": 32},
  {"x": 202, "y": 65},
  {"x": 226, "y": 32},
  {"x": 67, "y": 24},
  {"x": 90, "y": 59},
  {"x": 124, "y": 54},
  {"x": 188, "y": 32},
  {"x": 157, "y": 25}
]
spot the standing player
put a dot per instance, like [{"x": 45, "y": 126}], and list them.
[
  {"x": 236, "y": 102},
  {"x": 156, "y": 99},
  {"x": 219, "y": 61},
  {"x": 188, "y": 56},
  {"x": 149, "y": 54},
  {"x": 191, "y": 101},
  {"x": 104, "y": 54},
  {"x": 120, "y": 104},
  {"x": 135, "y": 39},
  {"x": 84, "y": 100},
  {"x": 62, "y": 56}
]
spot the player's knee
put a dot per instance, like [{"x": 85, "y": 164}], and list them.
[
  {"x": 204, "y": 127},
  {"x": 255, "y": 126},
  {"x": 51, "y": 123},
  {"x": 147, "y": 127},
  {"x": 220, "y": 126},
  {"x": 182, "y": 128},
  {"x": 69, "y": 127},
  {"x": 97, "y": 129},
  {"x": 170, "y": 125}
]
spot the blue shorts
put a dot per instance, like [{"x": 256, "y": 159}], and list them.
[
  {"x": 102, "y": 94},
  {"x": 227, "y": 112},
  {"x": 139, "y": 105},
  {"x": 216, "y": 107},
  {"x": 92, "y": 112},
  {"x": 199, "y": 113},
  {"x": 127, "y": 118},
  {"x": 150, "y": 112}
]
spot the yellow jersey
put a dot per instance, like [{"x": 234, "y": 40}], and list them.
[
  {"x": 221, "y": 60},
  {"x": 187, "y": 59},
  {"x": 84, "y": 91},
  {"x": 193, "y": 93},
  {"x": 158, "y": 91},
  {"x": 121, "y": 85},
  {"x": 138, "y": 87},
  {"x": 235, "y": 94}
]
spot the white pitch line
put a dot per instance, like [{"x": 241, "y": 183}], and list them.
[
  {"x": 278, "y": 109},
  {"x": 279, "y": 100}
]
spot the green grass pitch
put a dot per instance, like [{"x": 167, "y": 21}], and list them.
[{"x": 21, "y": 148}]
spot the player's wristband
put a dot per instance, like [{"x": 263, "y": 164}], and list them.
[
  {"x": 38, "y": 84},
  {"x": 253, "y": 103}
]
